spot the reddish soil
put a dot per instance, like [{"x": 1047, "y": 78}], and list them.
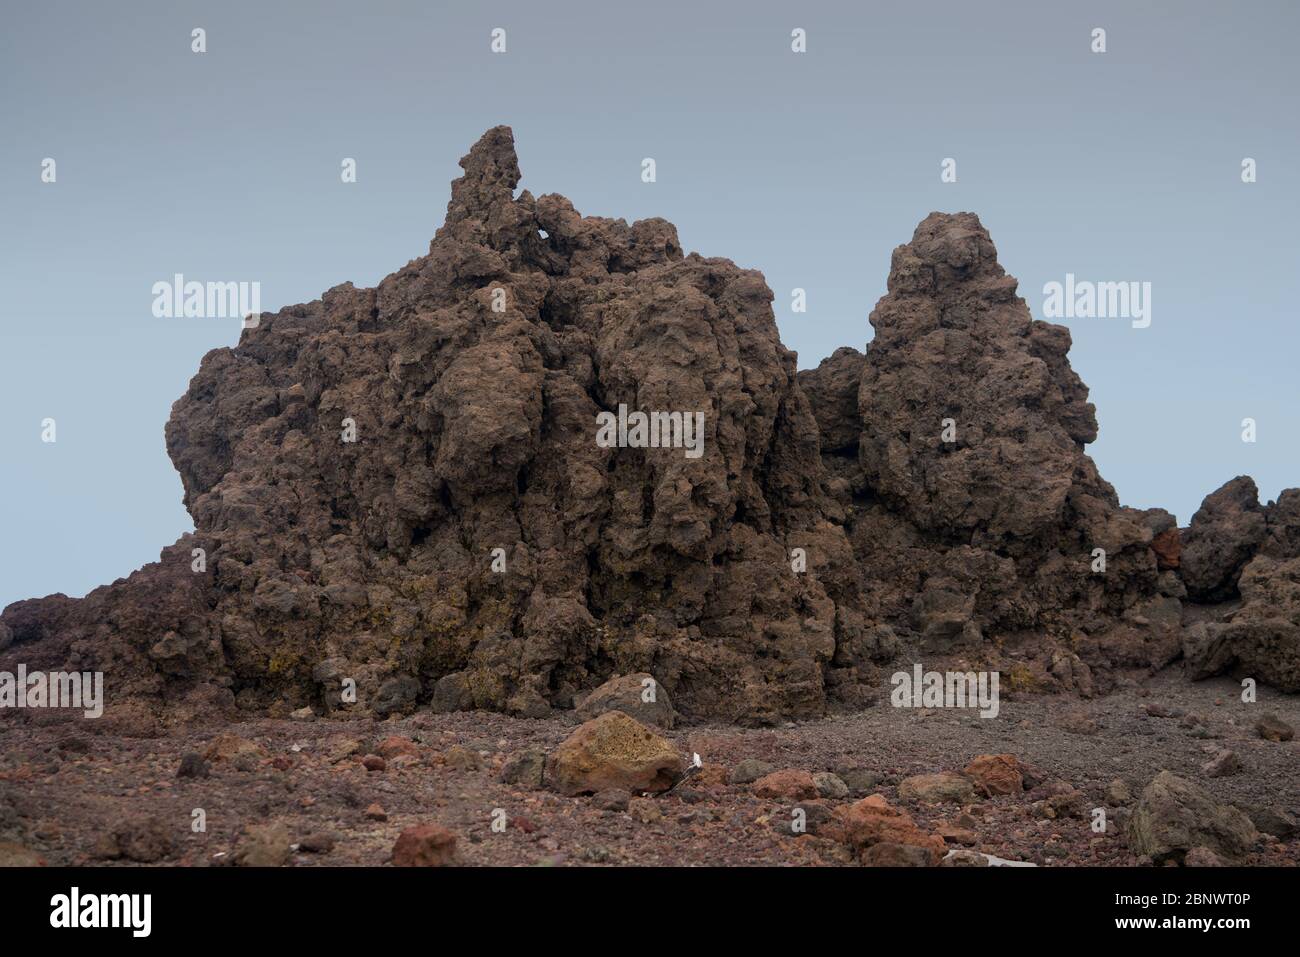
[{"x": 65, "y": 785}]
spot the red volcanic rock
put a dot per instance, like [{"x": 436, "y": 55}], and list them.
[
  {"x": 874, "y": 821},
  {"x": 396, "y": 744},
  {"x": 996, "y": 774},
  {"x": 1168, "y": 548},
  {"x": 789, "y": 785},
  {"x": 425, "y": 845}
]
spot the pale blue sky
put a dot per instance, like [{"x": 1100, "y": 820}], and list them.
[{"x": 811, "y": 168}]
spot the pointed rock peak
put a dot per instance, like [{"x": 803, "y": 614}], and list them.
[
  {"x": 491, "y": 175},
  {"x": 955, "y": 349},
  {"x": 946, "y": 249}
]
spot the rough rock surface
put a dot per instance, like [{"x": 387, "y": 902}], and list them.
[
  {"x": 873, "y": 822},
  {"x": 614, "y": 751},
  {"x": 1272, "y": 728},
  {"x": 788, "y": 784},
  {"x": 937, "y": 788},
  {"x": 1225, "y": 531},
  {"x": 1173, "y": 816},
  {"x": 1249, "y": 555},
  {"x": 1262, "y": 638},
  {"x": 472, "y": 378},
  {"x": 265, "y": 845},
  {"x": 974, "y": 513},
  {"x": 638, "y": 696},
  {"x": 425, "y": 845},
  {"x": 996, "y": 774},
  {"x": 399, "y": 491}
]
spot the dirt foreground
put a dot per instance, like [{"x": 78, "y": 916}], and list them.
[{"x": 339, "y": 792}]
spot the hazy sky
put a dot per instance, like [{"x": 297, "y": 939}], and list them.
[{"x": 811, "y": 167}]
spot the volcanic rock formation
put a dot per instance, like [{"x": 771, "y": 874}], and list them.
[
  {"x": 956, "y": 448},
  {"x": 1249, "y": 555},
  {"x": 400, "y": 488}
]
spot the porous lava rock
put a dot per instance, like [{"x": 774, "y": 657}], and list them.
[
  {"x": 1248, "y": 555},
  {"x": 973, "y": 510},
  {"x": 874, "y": 823},
  {"x": 614, "y": 751},
  {"x": 1223, "y": 536},
  {"x": 425, "y": 845},
  {"x": 401, "y": 488},
  {"x": 402, "y": 499}
]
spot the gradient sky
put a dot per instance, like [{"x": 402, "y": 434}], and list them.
[{"x": 811, "y": 168}]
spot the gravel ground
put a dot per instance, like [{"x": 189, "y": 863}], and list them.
[{"x": 66, "y": 788}]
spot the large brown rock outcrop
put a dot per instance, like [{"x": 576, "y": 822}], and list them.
[
  {"x": 401, "y": 490},
  {"x": 471, "y": 380}
]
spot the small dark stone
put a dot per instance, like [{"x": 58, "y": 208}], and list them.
[
  {"x": 749, "y": 770},
  {"x": 525, "y": 769},
  {"x": 1271, "y": 820},
  {"x": 860, "y": 780},
  {"x": 193, "y": 766},
  {"x": 452, "y": 693},
  {"x": 801, "y": 819},
  {"x": 321, "y": 842},
  {"x": 397, "y": 695},
  {"x": 613, "y": 799}
]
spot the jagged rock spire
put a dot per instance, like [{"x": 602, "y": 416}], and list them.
[{"x": 491, "y": 175}]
